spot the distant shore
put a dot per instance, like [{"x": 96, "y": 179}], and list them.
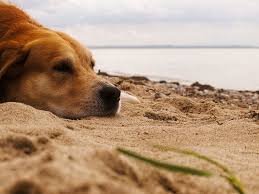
[
  {"x": 173, "y": 47},
  {"x": 184, "y": 83}
]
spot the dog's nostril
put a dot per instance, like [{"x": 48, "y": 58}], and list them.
[{"x": 110, "y": 94}]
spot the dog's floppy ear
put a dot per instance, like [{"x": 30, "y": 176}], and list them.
[{"x": 12, "y": 58}]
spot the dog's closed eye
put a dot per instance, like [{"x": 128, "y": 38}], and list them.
[
  {"x": 64, "y": 66},
  {"x": 92, "y": 63}
]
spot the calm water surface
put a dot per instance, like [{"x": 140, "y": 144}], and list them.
[{"x": 223, "y": 68}]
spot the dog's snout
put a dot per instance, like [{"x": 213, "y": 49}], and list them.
[{"x": 110, "y": 95}]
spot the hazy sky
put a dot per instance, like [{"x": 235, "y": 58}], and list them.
[{"x": 181, "y": 22}]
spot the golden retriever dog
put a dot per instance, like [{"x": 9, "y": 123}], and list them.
[{"x": 49, "y": 70}]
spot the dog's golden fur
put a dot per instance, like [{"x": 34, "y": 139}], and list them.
[{"x": 45, "y": 68}]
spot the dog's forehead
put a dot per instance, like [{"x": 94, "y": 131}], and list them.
[
  {"x": 85, "y": 57},
  {"x": 87, "y": 53},
  {"x": 82, "y": 52}
]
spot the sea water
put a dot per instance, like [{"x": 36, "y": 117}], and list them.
[{"x": 223, "y": 68}]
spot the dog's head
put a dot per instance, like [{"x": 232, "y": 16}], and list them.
[{"x": 56, "y": 73}]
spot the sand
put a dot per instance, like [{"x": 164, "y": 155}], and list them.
[{"x": 43, "y": 154}]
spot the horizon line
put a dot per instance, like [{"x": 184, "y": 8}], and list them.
[{"x": 164, "y": 46}]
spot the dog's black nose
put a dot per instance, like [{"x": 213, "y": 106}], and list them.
[{"x": 110, "y": 95}]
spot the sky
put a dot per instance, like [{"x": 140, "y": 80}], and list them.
[{"x": 151, "y": 22}]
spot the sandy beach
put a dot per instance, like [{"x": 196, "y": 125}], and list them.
[{"x": 41, "y": 153}]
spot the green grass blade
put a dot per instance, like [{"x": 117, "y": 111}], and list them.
[
  {"x": 194, "y": 154},
  {"x": 231, "y": 178},
  {"x": 166, "y": 166},
  {"x": 235, "y": 183}
]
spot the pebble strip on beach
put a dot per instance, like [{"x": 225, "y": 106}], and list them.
[{"x": 243, "y": 99}]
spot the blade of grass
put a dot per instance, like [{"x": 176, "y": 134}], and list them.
[
  {"x": 235, "y": 183},
  {"x": 194, "y": 154},
  {"x": 231, "y": 178},
  {"x": 166, "y": 166}
]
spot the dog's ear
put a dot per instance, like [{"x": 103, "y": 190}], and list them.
[{"x": 12, "y": 59}]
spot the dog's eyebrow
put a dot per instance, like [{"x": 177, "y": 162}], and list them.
[{"x": 66, "y": 61}]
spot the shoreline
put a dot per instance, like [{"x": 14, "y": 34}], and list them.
[
  {"x": 242, "y": 98},
  {"x": 170, "y": 80},
  {"x": 165, "y": 80}
]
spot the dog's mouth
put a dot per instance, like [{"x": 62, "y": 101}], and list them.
[
  {"x": 111, "y": 110},
  {"x": 114, "y": 108},
  {"x": 106, "y": 105},
  {"x": 111, "y": 106}
]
